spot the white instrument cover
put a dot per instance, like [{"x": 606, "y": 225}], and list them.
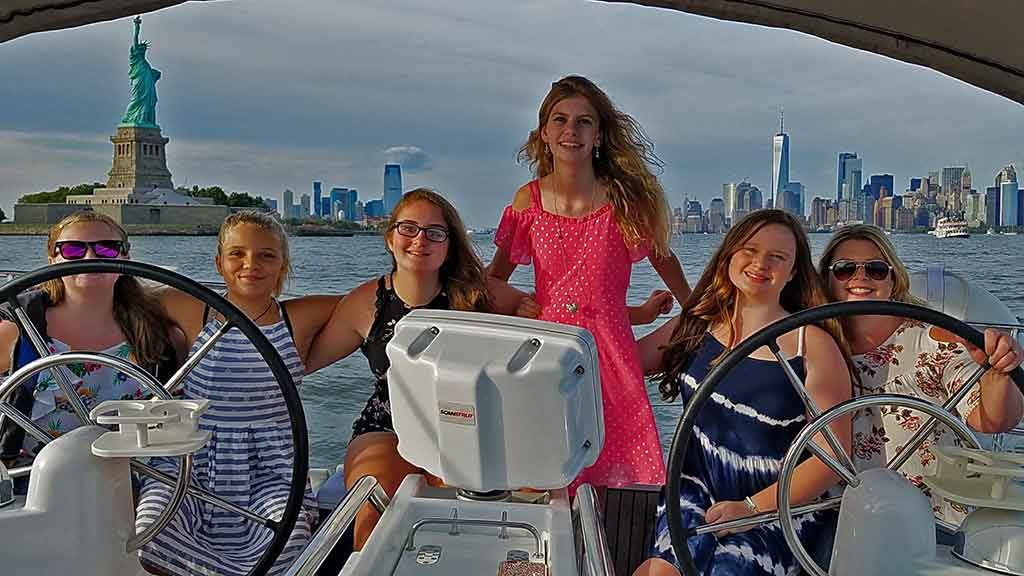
[{"x": 488, "y": 402}]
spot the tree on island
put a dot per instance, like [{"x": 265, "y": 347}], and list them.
[
  {"x": 60, "y": 195},
  {"x": 3, "y": 216},
  {"x": 234, "y": 199}
]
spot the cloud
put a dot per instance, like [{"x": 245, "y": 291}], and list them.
[
  {"x": 261, "y": 96},
  {"x": 412, "y": 158}
]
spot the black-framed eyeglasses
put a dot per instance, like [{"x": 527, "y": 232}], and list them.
[
  {"x": 77, "y": 249},
  {"x": 412, "y": 230},
  {"x": 877, "y": 270}
]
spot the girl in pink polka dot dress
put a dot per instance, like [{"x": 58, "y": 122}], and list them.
[{"x": 594, "y": 210}]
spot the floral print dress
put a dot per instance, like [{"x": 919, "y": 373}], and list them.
[
  {"x": 94, "y": 383},
  {"x": 911, "y": 362}
]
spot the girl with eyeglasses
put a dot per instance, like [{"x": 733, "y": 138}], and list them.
[
  {"x": 433, "y": 266},
  {"x": 897, "y": 356},
  {"x": 594, "y": 209},
  {"x": 106, "y": 313}
]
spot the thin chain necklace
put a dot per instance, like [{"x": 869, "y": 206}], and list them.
[
  {"x": 394, "y": 288},
  {"x": 573, "y": 305},
  {"x": 265, "y": 310}
]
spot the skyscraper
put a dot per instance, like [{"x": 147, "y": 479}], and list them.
[
  {"x": 729, "y": 198},
  {"x": 288, "y": 204},
  {"x": 317, "y": 190},
  {"x": 1008, "y": 204},
  {"x": 392, "y": 186},
  {"x": 952, "y": 183},
  {"x": 351, "y": 200},
  {"x": 374, "y": 209},
  {"x": 780, "y": 163},
  {"x": 792, "y": 198},
  {"x": 325, "y": 207},
  {"x": 304, "y": 206},
  {"x": 841, "y": 174},
  {"x": 338, "y": 198},
  {"x": 851, "y": 190}
]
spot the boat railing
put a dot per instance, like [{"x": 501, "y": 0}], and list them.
[
  {"x": 367, "y": 489},
  {"x": 597, "y": 559}
]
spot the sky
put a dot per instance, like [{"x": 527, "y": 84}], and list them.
[{"x": 258, "y": 96}]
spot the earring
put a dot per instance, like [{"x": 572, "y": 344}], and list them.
[
  {"x": 547, "y": 150},
  {"x": 597, "y": 152}
]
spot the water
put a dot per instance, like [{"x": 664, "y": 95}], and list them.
[{"x": 333, "y": 397}]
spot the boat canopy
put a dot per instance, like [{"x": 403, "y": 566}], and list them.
[{"x": 966, "y": 39}]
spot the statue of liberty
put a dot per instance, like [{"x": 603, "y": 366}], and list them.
[{"x": 142, "y": 107}]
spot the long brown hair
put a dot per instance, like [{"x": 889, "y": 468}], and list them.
[
  {"x": 900, "y": 276},
  {"x": 140, "y": 315},
  {"x": 462, "y": 273},
  {"x": 624, "y": 165},
  {"x": 267, "y": 223},
  {"x": 712, "y": 300}
]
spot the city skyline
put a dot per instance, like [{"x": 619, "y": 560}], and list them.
[{"x": 454, "y": 111}]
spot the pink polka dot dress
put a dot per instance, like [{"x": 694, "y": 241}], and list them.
[{"x": 582, "y": 268}]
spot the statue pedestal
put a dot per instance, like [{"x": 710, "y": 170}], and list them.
[{"x": 140, "y": 161}]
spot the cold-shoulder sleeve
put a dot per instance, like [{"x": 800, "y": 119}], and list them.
[
  {"x": 513, "y": 235},
  {"x": 639, "y": 251}
]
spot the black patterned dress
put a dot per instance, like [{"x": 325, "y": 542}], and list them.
[{"x": 376, "y": 415}]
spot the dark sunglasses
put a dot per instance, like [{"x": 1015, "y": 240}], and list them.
[
  {"x": 77, "y": 249},
  {"x": 412, "y": 230},
  {"x": 877, "y": 270}
]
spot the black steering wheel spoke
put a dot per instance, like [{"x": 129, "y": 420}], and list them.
[
  {"x": 233, "y": 318},
  {"x": 836, "y": 458}
]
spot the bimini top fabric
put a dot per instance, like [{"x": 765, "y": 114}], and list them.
[{"x": 974, "y": 41}]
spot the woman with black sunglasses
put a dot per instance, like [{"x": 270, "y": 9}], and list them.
[
  {"x": 895, "y": 355},
  {"x": 96, "y": 312}
]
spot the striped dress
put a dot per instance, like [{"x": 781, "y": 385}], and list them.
[
  {"x": 738, "y": 444},
  {"x": 248, "y": 462}
]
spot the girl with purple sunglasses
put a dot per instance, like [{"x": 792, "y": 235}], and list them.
[{"x": 122, "y": 320}]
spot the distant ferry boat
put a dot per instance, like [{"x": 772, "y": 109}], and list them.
[{"x": 949, "y": 228}]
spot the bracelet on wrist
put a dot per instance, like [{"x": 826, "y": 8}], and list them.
[{"x": 751, "y": 505}]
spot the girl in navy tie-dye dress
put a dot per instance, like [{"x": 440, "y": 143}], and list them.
[{"x": 760, "y": 273}]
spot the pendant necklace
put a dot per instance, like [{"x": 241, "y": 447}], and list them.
[{"x": 572, "y": 306}]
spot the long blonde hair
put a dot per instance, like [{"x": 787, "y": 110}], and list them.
[
  {"x": 462, "y": 273},
  {"x": 140, "y": 315},
  {"x": 713, "y": 299},
  {"x": 624, "y": 165},
  {"x": 267, "y": 223},
  {"x": 900, "y": 276}
]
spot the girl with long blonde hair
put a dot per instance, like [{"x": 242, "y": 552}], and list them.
[{"x": 893, "y": 355}]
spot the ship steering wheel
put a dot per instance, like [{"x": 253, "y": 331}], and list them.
[
  {"x": 838, "y": 461},
  {"x": 234, "y": 318}
]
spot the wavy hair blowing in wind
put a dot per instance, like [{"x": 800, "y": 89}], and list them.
[
  {"x": 462, "y": 273},
  {"x": 625, "y": 164}
]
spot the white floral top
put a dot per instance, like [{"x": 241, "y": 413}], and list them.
[
  {"x": 94, "y": 383},
  {"x": 910, "y": 362}
]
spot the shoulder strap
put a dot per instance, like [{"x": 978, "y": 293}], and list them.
[
  {"x": 12, "y": 436},
  {"x": 382, "y": 291},
  {"x": 800, "y": 341},
  {"x": 206, "y": 314},
  {"x": 284, "y": 316},
  {"x": 535, "y": 194}
]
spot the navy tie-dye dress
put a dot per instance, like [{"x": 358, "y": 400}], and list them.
[{"x": 738, "y": 444}]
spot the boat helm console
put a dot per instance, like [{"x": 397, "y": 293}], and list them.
[{"x": 489, "y": 405}]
